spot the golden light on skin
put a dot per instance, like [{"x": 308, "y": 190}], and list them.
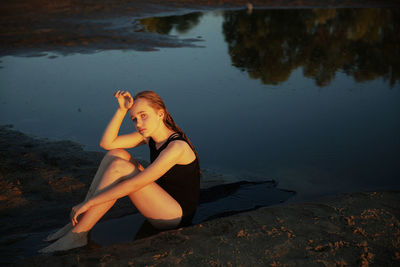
[
  {"x": 120, "y": 175},
  {"x": 147, "y": 121}
]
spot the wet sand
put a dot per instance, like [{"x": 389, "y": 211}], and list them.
[{"x": 360, "y": 229}]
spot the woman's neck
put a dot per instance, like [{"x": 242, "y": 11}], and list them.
[{"x": 162, "y": 135}]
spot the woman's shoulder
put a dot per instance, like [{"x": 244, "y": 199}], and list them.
[
  {"x": 182, "y": 148},
  {"x": 178, "y": 145}
]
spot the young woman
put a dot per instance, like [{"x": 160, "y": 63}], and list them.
[{"x": 166, "y": 192}]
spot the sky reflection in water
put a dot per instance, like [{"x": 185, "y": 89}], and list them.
[{"x": 307, "y": 97}]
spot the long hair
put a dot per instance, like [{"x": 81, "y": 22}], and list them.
[{"x": 157, "y": 103}]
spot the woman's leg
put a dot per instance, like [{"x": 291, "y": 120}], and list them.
[
  {"x": 104, "y": 165},
  {"x": 159, "y": 207},
  {"x": 162, "y": 210},
  {"x": 111, "y": 156},
  {"x": 108, "y": 158},
  {"x": 118, "y": 170}
]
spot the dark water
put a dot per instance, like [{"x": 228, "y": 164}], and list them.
[{"x": 308, "y": 97}]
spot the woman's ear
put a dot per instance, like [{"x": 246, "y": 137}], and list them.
[{"x": 161, "y": 113}]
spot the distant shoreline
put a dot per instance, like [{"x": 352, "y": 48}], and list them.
[{"x": 34, "y": 28}]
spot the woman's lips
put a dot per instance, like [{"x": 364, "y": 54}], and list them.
[{"x": 142, "y": 130}]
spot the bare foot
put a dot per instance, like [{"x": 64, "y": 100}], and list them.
[
  {"x": 69, "y": 241},
  {"x": 61, "y": 232}
]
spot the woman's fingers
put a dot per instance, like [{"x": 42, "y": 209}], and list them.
[
  {"x": 74, "y": 216},
  {"x": 122, "y": 93},
  {"x": 74, "y": 220},
  {"x": 128, "y": 95},
  {"x": 78, "y": 210},
  {"x": 125, "y": 99},
  {"x": 118, "y": 93}
]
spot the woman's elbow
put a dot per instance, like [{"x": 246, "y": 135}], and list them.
[{"x": 105, "y": 145}]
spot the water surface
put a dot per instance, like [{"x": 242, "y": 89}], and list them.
[{"x": 308, "y": 97}]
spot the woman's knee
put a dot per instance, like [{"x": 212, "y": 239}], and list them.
[
  {"x": 118, "y": 170},
  {"x": 119, "y": 153},
  {"x": 122, "y": 166}
]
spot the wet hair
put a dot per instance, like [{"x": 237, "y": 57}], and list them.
[{"x": 157, "y": 103}]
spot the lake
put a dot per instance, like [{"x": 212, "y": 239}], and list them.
[{"x": 307, "y": 97}]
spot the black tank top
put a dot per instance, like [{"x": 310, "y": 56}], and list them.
[{"x": 182, "y": 182}]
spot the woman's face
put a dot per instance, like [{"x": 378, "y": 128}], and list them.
[{"x": 147, "y": 120}]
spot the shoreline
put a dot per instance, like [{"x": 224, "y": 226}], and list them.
[
  {"x": 346, "y": 229},
  {"x": 35, "y": 28},
  {"x": 359, "y": 229},
  {"x": 41, "y": 179}
]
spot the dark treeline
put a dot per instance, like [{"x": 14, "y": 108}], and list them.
[{"x": 270, "y": 44}]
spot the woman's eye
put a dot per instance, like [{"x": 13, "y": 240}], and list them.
[{"x": 143, "y": 116}]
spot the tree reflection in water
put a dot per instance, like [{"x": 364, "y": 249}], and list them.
[
  {"x": 164, "y": 25},
  {"x": 270, "y": 44}
]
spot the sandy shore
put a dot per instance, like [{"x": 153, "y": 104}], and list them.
[
  {"x": 41, "y": 179},
  {"x": 38, "y": 185},
  {"x": 358, "y": 229}
]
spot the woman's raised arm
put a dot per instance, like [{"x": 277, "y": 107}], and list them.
[{"x": 110, "y": 139}]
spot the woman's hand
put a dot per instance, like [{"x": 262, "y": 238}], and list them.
[
  {"x": 78, "y": 210},
  {"x": 125, "y": 99}
]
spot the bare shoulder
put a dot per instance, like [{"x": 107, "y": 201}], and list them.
[
  {"x": 177, "y": 146},
  {"x": 183, "y": 151}
]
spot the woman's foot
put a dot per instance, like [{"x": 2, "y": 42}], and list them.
[
  {"x": 61, "y": 232},
  {"x": 69, "y": 241}
]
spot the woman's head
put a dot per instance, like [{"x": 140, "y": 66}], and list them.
[
  {"x": 151, "y": 105},
  {"x": 147, "y": 120},
  {"x": 154, "y": 109}
]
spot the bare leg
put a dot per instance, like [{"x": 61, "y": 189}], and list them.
[
  {"x": 117, "y": 170},
  {"x": 159, "y": 208},
  {"x": 152, "y": 201},
  {"x": 104, "y": 165}
]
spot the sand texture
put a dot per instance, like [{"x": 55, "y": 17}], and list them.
[{"x": 360, "y": 229}]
